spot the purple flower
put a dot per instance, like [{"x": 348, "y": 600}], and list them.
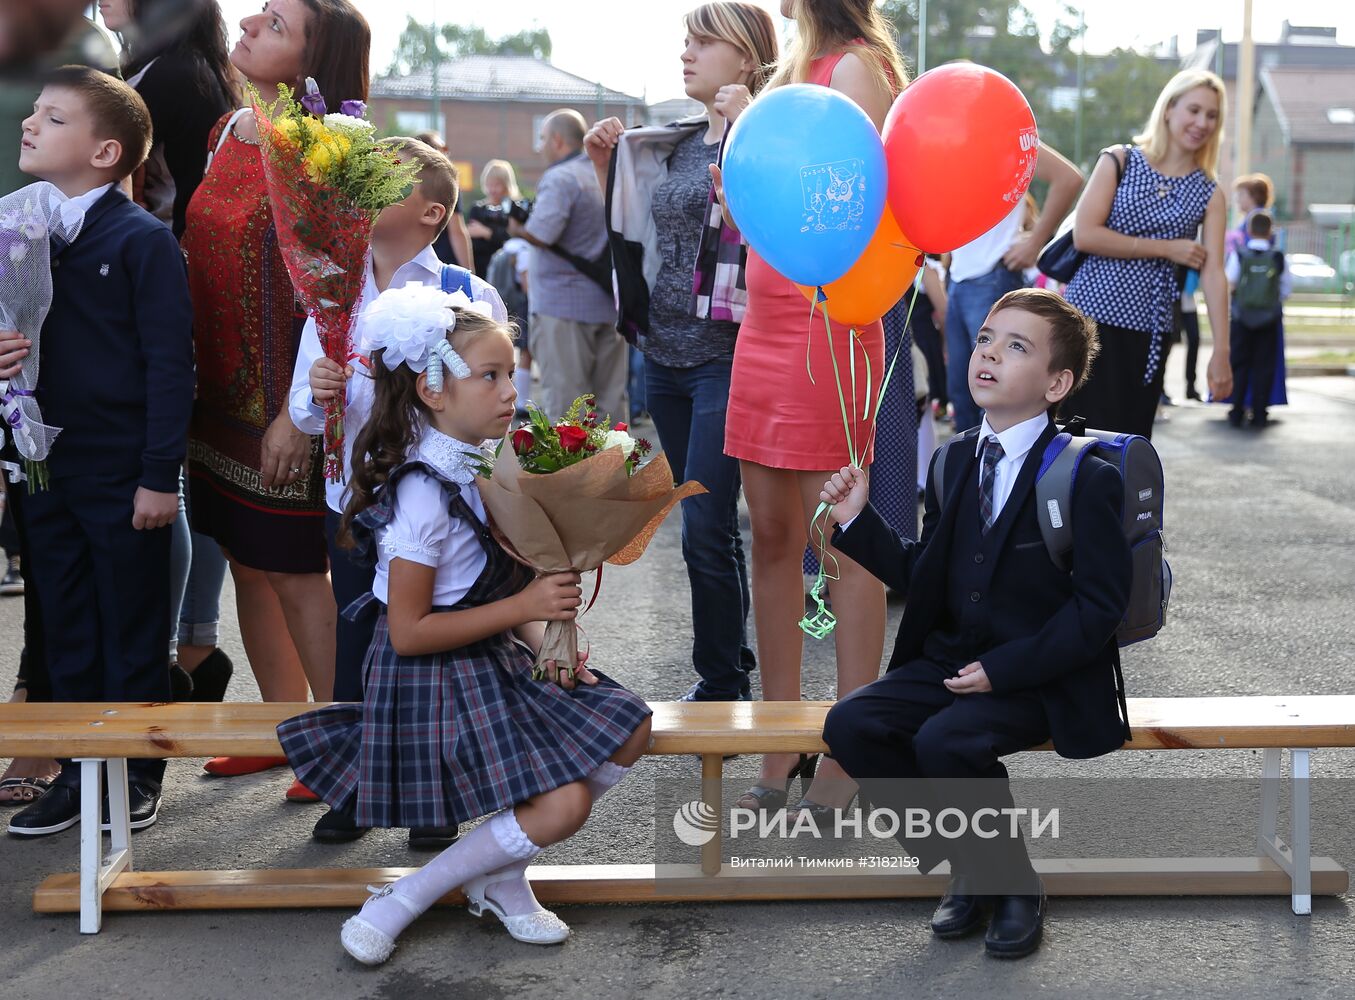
[
  {"x": 314, "y": 101},
  {"x": 353, "y": 109}
]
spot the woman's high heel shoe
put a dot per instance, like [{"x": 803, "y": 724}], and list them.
[
  {"x": 824, "y": 818},
  {"x": 538, "y": 927},
  {"x": 764, "y": 798}
]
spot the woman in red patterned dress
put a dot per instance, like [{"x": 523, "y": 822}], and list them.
[
  {"x": 788, "y": 432},
  {"x": 256, "y": 481}
]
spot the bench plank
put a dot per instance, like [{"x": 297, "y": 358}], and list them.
[
  {"x": 247, "y": 728},
  {"x": 566, "y": 884}
]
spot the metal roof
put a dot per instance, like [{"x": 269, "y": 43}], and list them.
[
  {"x": 499, "y": 78},
  {"x": 1302, "y": 99}
]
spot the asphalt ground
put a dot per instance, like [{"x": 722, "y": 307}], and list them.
[{"x": 1260, "y": 529}]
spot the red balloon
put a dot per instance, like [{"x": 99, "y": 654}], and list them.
[{"x": 962, "y": 146}]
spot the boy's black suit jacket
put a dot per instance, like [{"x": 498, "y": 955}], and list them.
[
  {"x": 1043, "y": 628},
  {"x": 117, "y": 350}
]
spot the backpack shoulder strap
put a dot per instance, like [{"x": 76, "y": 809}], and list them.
[
  {"x": 1054, "y": 493},
  {"x": 939, "y": 467},
  {"x": 456, "y": 279}
]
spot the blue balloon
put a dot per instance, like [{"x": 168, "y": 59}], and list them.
[{"x": 805, "y": 178}]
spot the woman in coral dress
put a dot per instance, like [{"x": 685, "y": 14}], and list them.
[{"x": 788, "y": 430}]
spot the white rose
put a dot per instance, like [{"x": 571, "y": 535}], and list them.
[
  {"x": 619, "y": 439},
  {"x": 17, "y": 252},
  {"x": 347, "y": 123}
]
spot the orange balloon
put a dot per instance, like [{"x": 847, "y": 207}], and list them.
[
  {"x": 962, "y": 147},
  {"x": 876, "y": 281}
]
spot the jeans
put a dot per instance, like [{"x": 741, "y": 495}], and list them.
[
  {"x": 635, "y": 384},
  {"x": 199, "y": 612},
  {"x": 969, "y": 304},
  {"x": 688, "y": 406}
]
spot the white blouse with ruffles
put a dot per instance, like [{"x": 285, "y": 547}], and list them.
[{"x": 421, "y": 529}]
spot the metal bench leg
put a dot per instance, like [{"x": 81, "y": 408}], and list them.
[
  {"x": 1295, "y": 857},
  {"x": 1301, "y": 874},
  {"x": 91, "y": 844},
  {"x": 97, "y": 872}
]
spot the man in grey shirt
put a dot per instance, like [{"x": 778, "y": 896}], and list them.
[{"x": 573, "y": 321}]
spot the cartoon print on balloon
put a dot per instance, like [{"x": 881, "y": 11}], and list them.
[
  {"x": 1025, "y": 167},
  {"x": 834, "y": 196}
]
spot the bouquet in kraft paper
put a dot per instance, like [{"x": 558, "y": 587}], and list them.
[{"x": 571, "y": 495}]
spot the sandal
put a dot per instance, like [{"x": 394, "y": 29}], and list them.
[
  {"x": 18, "y": 787},
  {"x": 764, "y": 798}
]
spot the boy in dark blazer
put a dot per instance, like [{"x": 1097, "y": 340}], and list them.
[
  {"x": 999, "y": 650},
  {"x": 117, "y": 378}
]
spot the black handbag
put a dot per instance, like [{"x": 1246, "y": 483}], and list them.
[{"x": 1060, "y": 258}]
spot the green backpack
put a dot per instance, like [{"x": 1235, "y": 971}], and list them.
[{"x": 1256, "y": 300}]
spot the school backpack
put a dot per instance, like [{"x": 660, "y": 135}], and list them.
[
  {"x": 1256, "y": 300},
  {"x": 1141, "y": 471}
]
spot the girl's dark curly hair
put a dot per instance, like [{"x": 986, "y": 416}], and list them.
[{"x": 397, "y": 418}]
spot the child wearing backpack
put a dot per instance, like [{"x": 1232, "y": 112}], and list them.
[
  {"x": 452, "y": 726},
  {"x": 402, "y": 253},
  {"x": 1000, "y": 649},
  {"x": 1260, "y": 282}
]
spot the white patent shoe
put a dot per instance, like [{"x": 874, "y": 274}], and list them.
[
  {"x": 369, "y": 944},
  {"x": 538, "y": 927}
]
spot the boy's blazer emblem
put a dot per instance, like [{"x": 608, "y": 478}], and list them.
[{"x": 103, "y": 270}]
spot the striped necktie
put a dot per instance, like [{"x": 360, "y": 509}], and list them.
[{"x": 992, "y": 454}]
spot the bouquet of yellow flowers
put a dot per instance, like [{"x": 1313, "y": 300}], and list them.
[{"x": 328, "y": 176}]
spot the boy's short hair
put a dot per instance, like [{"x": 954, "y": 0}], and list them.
[
  {"x": 437, "y": 176},
  {"x": 115, "y": 109},
  {"x": 1259, "y": 226},
  {"x": 1073, "y": 340}
]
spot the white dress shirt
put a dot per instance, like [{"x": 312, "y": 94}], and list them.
[
  {"x": 73, "y": 209},
  {"x": 309, "y": 416},
  {"x": 1016, "y": 442}
]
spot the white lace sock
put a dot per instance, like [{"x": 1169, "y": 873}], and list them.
[
  {"x": 605, "y": 778},
  {"x": 489, "y": 847},
  {"x": 515, "y": 894}
]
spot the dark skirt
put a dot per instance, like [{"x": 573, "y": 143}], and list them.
[
  {"x": 451, "y": 737},
  {"x": 1114, "y": 397},
  {"x": 271, "y": 540}
]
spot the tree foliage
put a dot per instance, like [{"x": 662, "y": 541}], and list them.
[
  {"x": 1118, "y": 91},
  {"x": 421, "y": 44}
]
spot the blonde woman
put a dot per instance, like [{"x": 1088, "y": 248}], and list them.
[
  {"x": 487, "y": 220},
  {"x": 787, "y": 431},
  {"x": 1139, "y": 236},
  {"x": 680, "y": 274}
]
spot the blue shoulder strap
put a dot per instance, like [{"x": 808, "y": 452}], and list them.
[{"x": 456, "y": 279}]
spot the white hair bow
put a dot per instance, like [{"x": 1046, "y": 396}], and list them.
[{"x": 411, "y": 325}]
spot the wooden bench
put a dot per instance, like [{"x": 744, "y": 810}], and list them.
[{"x": 97, "y": 734}]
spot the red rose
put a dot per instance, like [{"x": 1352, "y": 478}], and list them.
[
  {"x": 622, "y": 427},
  {"x": 571, "y": 438},
  {"x": 523, "y": 440}
]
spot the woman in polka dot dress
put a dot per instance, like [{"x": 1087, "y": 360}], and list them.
[{"x": 1137, "y": 235}]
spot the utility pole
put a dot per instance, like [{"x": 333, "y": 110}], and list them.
[
  {"x": 1081, "y": 81},
  {"x": 436, "y": 96},
  {"x": 921, "y": 37},
  {"x": 1246, "y": 92}
]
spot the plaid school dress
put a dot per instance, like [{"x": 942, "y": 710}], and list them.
[{"x": 449, "y": 737}]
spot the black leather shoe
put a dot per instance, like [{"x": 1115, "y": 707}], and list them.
[
  {"x": 1016, "y": 927},
  {"x": 959, "y": 913},
  {"x": 432, "y": 838},
  {"x": 57, "y": 810},
  {"x": 335, "y": 827},
  {"x": 143, "y": 806}
]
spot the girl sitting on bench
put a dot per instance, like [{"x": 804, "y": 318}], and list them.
[{"x": 452, "y": 727}]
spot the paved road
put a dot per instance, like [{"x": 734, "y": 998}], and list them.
[{"x": 1261, "y": 541}]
